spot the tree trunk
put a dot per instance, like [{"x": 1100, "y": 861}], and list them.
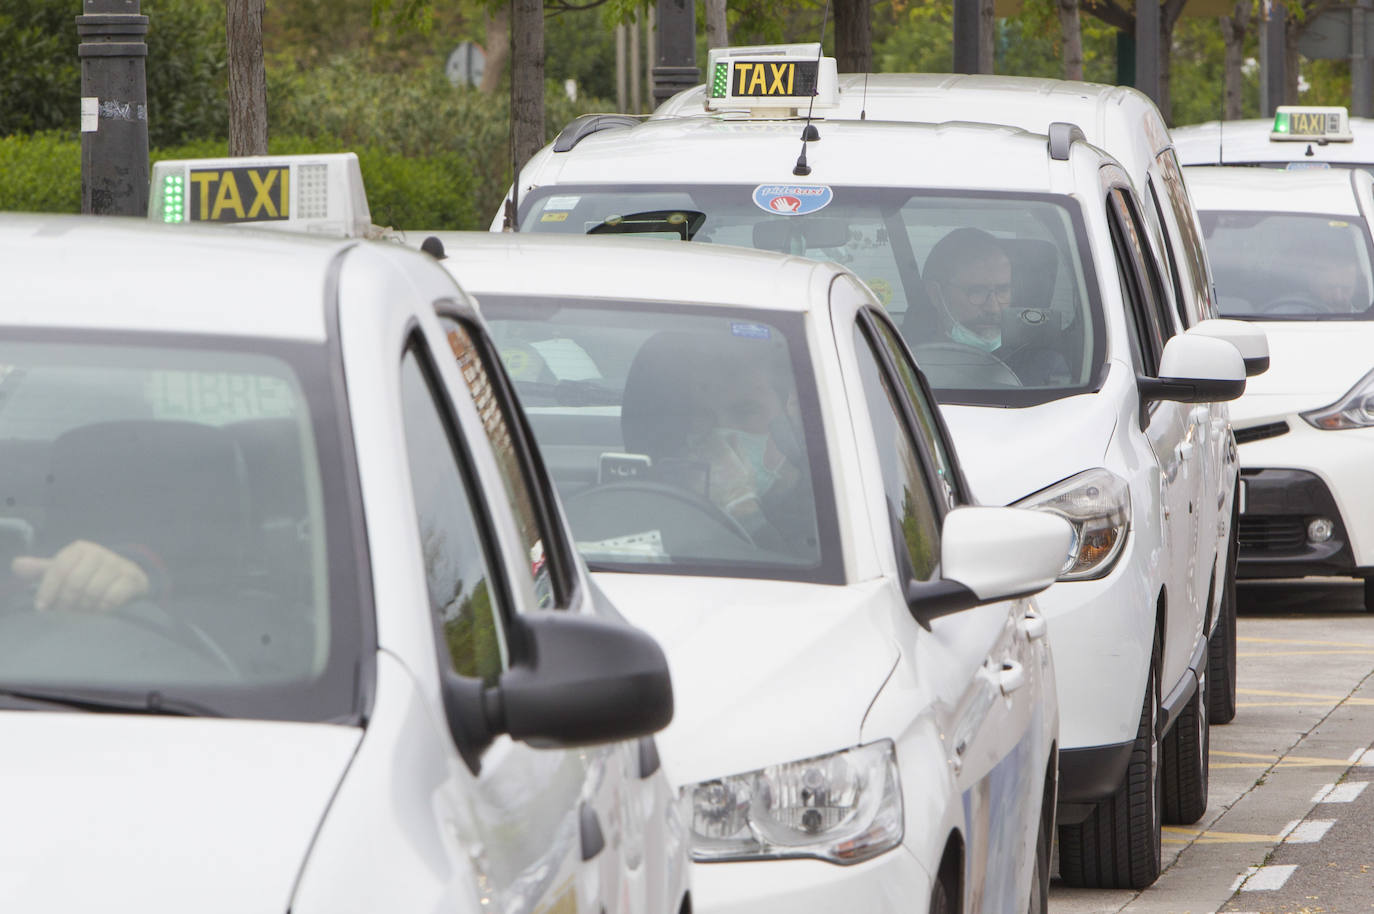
[
  {"x": 497, "y": 48},
  {"x": 1166, "y": 60},
  {"x": 527, "y": 79},
  {"x": 987, "y": 35},
  {"x": 853, "y": 36},
  {"x": 1234, "y": 29},
  {"x": 1292, "y": 31},
  {"x": 247, "y": 78},
  {"x": 1072, "y": 36},
  {"x": 717, "y": 30}
]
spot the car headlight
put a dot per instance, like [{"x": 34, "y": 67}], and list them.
[
  {"x": 1097, "y": 504},
  {"x": 1354, "y": 410},
  {"x": 844, "y": 807}
]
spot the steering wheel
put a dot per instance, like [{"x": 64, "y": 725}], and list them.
[
  {"x": 1292, "y": 304},
  {"x": 145, "y": 615},
  {"x": 639, "y": 494},
  {"x": 950, "y": 364}
]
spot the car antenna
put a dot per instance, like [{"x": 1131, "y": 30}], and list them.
[
  {"x": 809, "y": 132},
  {"x": 863, "y": 106}
]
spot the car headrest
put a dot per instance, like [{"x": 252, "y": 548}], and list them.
[
  {"x": 1034, "y": 265},
  {"x": 171, "y": 488},
  {"x": 661, "y": 407},
  {"x": 271, "y": 450}
]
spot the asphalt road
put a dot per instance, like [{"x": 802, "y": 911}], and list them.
[{"x": 1287, "y": 825}]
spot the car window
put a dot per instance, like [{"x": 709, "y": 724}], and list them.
[
  {"x": 1164, "y": 239},
  {"x": 685, "y": 440},
  {"x": 990, "y": 290},
  {"x": 927, "y": 422},
  {"x": 1192, "y": 251},
  {"x": 912, "y": 514},
  {"x": 1290, "y": 266},
  {"x": 207, "y": 483},
  {"x": 1140, "y": 282},
  {"x": 457, "y": 570},
  {"x": 497, "y": 423}
]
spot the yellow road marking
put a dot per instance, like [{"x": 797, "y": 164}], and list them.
[
  {"x": 1313, "y": 699},
  {"x": 1186, "y": 835},
  {"x": 1291, "y": 761},
  {"x": 1296, "y": 641},
  {"x": 1360, "y": 651}
]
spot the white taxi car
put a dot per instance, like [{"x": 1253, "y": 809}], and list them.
[
  {"x": 1292, "y": 250},
  {"x": 1298, "y": 136},
  {"x": 286, "y": 600},
  {"x": 1125, "y": 123},
  {"x": 1087, "y": 405},
  {"x": 757, "y": 475}
]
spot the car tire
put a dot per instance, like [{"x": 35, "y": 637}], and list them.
[
  {"x": 1184, "y": 758},
  {"x": 1118, "y": 845},
  {"x": 1039, "y": 902},
  {"x": 939, "y": 897},
  {"x": 1221, "y": 647},
  {"x": 1369, "y": 595}
]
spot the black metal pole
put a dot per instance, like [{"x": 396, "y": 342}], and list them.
[
  {"x": 1147, "y": 29},
  {"x": 114, "y": 108},
  {"x": 675, "y": 60},
  {"x": 966, "y": 36},
  {"x": 1272, "y": 56}
]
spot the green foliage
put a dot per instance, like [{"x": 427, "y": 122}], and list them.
[
  {"x": 42, "y": 173},
  {"x": 40, "y": 76}
]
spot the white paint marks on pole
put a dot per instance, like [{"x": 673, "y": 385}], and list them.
[
  {"x": 1340, "y": 793},
  {"x": 1263, "y": 878},
  {"x": 90, "y": 114},
  {"x": 1309, "y": 832}
]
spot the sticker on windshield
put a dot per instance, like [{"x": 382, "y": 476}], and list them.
[
  {"x": 569, "y": 202},
  {"x": 749, "y": 331},
  {"x": 792, "y": 199}
]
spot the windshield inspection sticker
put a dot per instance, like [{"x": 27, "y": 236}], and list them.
[
  {"x": 749, "y": 331},
  {"x": 792, "y": 199},
  {"x": 569, "y": 202}
]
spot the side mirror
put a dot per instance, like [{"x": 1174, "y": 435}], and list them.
[
  {"x": 1250, "y": 341},
  {"x": 580, "y": 679},
  {"x": 1196, "y": 369},
  {"x": 989, "y": 554}
]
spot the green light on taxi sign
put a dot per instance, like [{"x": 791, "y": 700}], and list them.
[
  {"x": 1281, "y": 122},
  {"x": 721, "y": 81},
  {"x": 173, "y": 199}
]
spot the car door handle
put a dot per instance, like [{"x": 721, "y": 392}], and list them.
[
  {"x": 1034, "y": 625},
  {"x": 1013, "y": 676}
]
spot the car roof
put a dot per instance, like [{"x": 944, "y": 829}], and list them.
[
  {"x": 955, "y": 154},
  {"x": 109, "y": 273},
  {"x": 1247, "y": 142},
  {"x": 642, "y": 269},
  {"x": 1330, "y": 191}
]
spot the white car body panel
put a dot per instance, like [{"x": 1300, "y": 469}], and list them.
[{"x": 1246, "y": 142}]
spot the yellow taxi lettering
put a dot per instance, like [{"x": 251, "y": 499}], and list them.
[
  {"x": 758, "y": 80},
  {"x": 742, "y": 69},
  {"x": 262, "y": 192},
  {"x": 201, "y": 181},
  {"x": 227, "y": 198},
  {"x": 779, "y": 86}
]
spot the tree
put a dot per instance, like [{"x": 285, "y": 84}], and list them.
[
  {"x": 853, "y": 36},
  {"x": 247, "y": 78},
  {"x": 526, "y": 79},
  {"x": 1234, "y": 30},
  {"x": 717, "y": 29},
  {"x": 1072, "y": 34}
]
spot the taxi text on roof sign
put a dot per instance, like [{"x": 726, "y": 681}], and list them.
[
  {"x": 1311, "y": 124},
  {"x": 321, "y": 194},
  {"x": 771, "y": 78}
]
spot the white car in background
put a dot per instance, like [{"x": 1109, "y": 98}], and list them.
[
  {"x": 1292, "y": 251},
  {"x": 757, "y": 475},
  {"x": 1092, "y": 406},
  {"x": 339, "y": 605},
  {"x": 1298, "y": 136}
]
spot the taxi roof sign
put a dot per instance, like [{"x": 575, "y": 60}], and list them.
[
  {"x": 1306, "y": 124},
  {"x": 778, "y": 79},
  {"x": 320, "y": 194}
]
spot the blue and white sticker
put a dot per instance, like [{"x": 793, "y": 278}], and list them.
[
  {"x": 750, "y": 331},
  {"x": 792, "y": 199}
]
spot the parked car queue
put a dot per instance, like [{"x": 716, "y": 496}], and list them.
[{"x": 758, "y": 474}]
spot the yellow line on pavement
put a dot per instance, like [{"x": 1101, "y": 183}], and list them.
[
  {"x": 1363, "y": 651},
  {"x": 1291, "y": 761},
  {"x": 1185, "y": 835},
  {"x": 1297, "y": 641}
]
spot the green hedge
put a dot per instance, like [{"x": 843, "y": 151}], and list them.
[{"x": 42, "y": 173}]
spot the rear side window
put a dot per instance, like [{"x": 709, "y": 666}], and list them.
[
  {"x": 1192, "y": 252},
  {"x": 1148, "y": 321}
]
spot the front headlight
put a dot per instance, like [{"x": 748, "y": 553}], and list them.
[
  {"x": 1097, "y": 504},
  {"x": 845, "y": 807},
  {"x": 1354, "y": 410}
]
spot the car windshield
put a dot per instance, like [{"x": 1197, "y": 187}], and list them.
[
  {"x": 171, "y": 526},
  {"x": 682, "y": 441},
  {"x": 989, "y": 290},
  {"x": 1290, "y": 266}
]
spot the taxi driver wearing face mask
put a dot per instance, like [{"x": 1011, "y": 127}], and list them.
[{"x": 969, "y": 279}]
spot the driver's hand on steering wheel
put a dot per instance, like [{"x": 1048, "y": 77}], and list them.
[{"x": 82, "y": 577}]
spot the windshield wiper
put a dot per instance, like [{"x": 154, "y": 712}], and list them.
[{"x": 152, "y": 702}]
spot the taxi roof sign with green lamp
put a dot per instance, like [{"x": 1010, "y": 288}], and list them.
[
  {"x": 781, "y": 80},
  {"x": 1307, "y": 124},
  {"x": 318, "y": 194}
]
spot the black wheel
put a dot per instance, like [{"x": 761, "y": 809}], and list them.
[
  {"x": 1184, "y": 758},
  {"x": 1039, "y": 902},
  {"x": 939, "y": 897},
  {"x": 1369, "y": 595},
  {"x": 1221, "y": 647},
  {"x": 1118, "y": 845}
]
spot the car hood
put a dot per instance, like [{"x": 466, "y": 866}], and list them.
[
  {"x": 763, "y": 671},
  {"x": 160, "y": 815},
  {"x": 1047, "y": 443},
  {"x": 1311, "y": 364}
]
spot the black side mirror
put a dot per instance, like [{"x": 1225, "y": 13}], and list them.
[{"x": 579, "y": 679}]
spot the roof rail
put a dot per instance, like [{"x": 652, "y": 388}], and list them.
[
  {"x": 582, "y": 127},
  {"x": 1062, "y": 137}
]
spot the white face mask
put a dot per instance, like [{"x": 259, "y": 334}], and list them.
[{"x": 961, "y": 334}]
